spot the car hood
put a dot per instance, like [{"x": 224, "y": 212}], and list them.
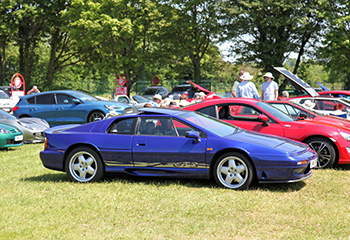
[
  {"x": 269, "y": 141},
  {"x": 297, "y": 82}
]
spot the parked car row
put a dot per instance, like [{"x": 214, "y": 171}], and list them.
[{"x": 234, "y": 141}]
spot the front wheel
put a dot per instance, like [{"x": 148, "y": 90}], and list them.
[
  {"x": 84, "y": 165},
  {"x": 234, "y": 171},
  {"x": 95, "y": 116},
  {"x": 325, "y": 151}
]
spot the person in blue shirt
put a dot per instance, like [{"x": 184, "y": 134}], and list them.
[{"x": 247, "y": 89}]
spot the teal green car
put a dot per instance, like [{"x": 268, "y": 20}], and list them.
[{"x": 10, "y": 136}]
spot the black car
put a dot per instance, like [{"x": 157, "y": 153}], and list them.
[
  {"x": 149, "y": 92},
  {"x": 187, "y": 89}
]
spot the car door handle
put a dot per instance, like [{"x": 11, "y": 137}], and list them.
[
  {"x": 60, "y": 108},
  {"x": 141, "y": 144},
  {"x": 33, "y": 109},
  {"x": 288, "y": 126}
]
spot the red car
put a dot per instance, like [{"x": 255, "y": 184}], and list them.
[
  {"x": 299, "y": 112},
  {"x": 330, "y": 141}
]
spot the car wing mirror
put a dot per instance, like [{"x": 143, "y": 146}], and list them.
[
  {"x": 194, "y": 135},
  {"x": 76, "y": 101},
  {"x": 302, "y": 115},
  {"x": 264, "y": 119}
]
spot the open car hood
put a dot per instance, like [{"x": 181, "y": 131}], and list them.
[
  {"x": 324, "y": 88},
  {"x": 297, "y": 82},
  {"x": 206, "y": 91}
]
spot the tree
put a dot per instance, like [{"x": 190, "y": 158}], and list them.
[
  {"x": 116, "y": 35},
  {"x": 193, "y": 27},
  {"x": 267, "y": 31},
  {"x": 7, "y": 31},
  {"x": 335, "y": 52}
]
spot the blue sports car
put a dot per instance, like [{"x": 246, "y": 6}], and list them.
[
  {"x": 66, "y": 107},
  {"x": 175, "y": 143}
]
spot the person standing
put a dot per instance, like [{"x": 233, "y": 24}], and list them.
[
  {"x": 234, "y": 87},
  {"x": 269, "y": 89},
  {"x": 247, "y": 89}
]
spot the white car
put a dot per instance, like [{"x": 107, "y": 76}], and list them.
[
  {"x": 6, "y": 102},
  {"x": 326, "y": 105}
]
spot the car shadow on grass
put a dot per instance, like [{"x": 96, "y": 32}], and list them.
[{"x": 165, "y": 182}]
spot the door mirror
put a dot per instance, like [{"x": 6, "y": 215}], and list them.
[
  {"x": 76, "y": 101},
  {"x": 263, "y": 118},
  {"x": 194, "y": 135},
  {"x": 302, "y": 115}
]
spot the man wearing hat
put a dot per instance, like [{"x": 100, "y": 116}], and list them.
[
  {"x": 157, "y": 99},
  {"x": 247, "y": 89},
  {"x": 269, "y": 89}
]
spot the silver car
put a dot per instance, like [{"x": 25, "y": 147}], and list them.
[{"x": 32, "y": 128}]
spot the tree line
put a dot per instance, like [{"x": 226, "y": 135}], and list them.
[{"x": 66, "y": 44}]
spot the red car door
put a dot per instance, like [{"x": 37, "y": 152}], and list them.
[{"x": 249, "y": 117}]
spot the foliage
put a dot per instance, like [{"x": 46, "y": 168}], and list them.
[{"x": 335, "y": 52}]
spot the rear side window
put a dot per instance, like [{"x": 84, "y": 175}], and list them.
[
  {"x": 45, "y": 99},
  {"x": 31, "y": 100}
]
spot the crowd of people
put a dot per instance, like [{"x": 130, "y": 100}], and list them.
[{"x": 158, "y": 101}]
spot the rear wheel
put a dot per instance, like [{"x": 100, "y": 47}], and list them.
[
  {"x": 233, "y": 170},
  {"x": 95, "y": 116},
  {"x": 84, "y": 165},
  {"x": 325, "y": 151}
]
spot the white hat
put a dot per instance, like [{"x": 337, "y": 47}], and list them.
[
  {"x": 202, "y": 94},
  {"x": 269, "y": 75},
  {"x": 183, "y": 103},
  {"x": 308, "y": 104},
  {"x": 157, "y": 96},
  {"x": 246, "y": 76}
]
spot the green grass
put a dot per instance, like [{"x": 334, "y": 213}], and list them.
[{"x": 37, "y": 203}]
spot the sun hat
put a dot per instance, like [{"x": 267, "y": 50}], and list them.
[
  {"x": 246, "y": 76},
  {"x": 157, "y": 96},
  {"x": 269, "y": 75},
  {"x": 308, "y": 104}
]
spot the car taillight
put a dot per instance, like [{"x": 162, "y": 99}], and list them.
[
  {"x": 14, "y": 109},
  {"x": 45, "y": 144}
]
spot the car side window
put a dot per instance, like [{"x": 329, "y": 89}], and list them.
[
  {"x": 31, "y": 100},
  {"x": 64, "y": 99},
  {"x": 210, "y": 110},
  {"x": 124, "y": 126},
  {"x": 157, "y": 126},
  {"x": 181, "y": 128},
  {"x": 45, "y": 99}
]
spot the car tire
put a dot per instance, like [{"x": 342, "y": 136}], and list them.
[
  {"x": 325, "y": 151},
  {"x": 233, "y": 170},
  {"x": 84, "y": 165},
  {"x": 95, "y": 116}
]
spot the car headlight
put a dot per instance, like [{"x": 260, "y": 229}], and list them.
[
  {"x": 346, "y": 136},
  {"x": 111, "y": 107},
  {"x": 3, "y": 130}
]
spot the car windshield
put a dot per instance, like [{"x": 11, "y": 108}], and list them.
[
  {"x": 3, "y": 95},
  {"x": 141, "y": 99},
  {"x": 310, "y": 110},
  {"x": 275, "y": 112},
  {"x": 214, "y": 125},
  {"x": 180, "y": 89},
  {"x": 85, "y": 97},
  {"x": 149, "y": 91},
  {"x": 6, "y": 116}
]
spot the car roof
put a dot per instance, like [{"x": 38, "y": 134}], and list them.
[
  {"x": 166, "y": 111},
  {"x": 54, "y": 91}
]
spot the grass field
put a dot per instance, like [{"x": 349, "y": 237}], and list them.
[{"x": 37, "y": 203}]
